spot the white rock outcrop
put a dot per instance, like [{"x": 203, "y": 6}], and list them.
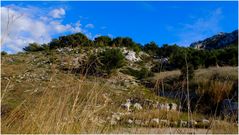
[{"x": 130, "y": 55}]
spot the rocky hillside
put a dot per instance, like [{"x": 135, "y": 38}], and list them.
[
  {"x": 217, "y": 41},
  {"x": 76, "y": 85},
  {"x": 52, "y": 88}
]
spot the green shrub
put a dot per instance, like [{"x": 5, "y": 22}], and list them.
[
  {"x": 3, "y": 53},
  {"x": 46, "y": 47},
  {"x": 151, "y": 48},
  {"x": 211, "y": 61},
  {"x": 73, "y": 40},
  {"x": 103, "y": 63},
  {"x": 102, "y": 41},
  {"x": 111, "y": 59},
  {"x": 157, "y": 67},
  {"x": 126, "y": 42},
  {"x": 190, "y": 72},
  {"x": 144, "y": 73},
  {"x": 33, "y": 47},
  {"x": 92, "y": 66},
  {"x": 136, "y": 48},
  {"x": 139, "y": 74}
]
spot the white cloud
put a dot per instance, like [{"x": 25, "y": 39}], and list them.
[
  {"x": 26, "y": 27},
  {"x": 200, "y": 28},
  {"x": 77, "y": 27},
  {"x": 89, "y": 25},
  {"x": 20, "y": 29},
  {"x": 60, "y": 28},
  {"x": 57, "y": 13}
]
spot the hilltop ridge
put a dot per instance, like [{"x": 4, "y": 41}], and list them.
[{"x": 219, "y": 40}]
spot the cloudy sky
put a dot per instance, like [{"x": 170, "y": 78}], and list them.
[{"x": 163, "y": 22}]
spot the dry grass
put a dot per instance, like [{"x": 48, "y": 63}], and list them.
[
  {"x": 66, "y": 108},
  {"x": 223, "y": 127},
  {"x": 202, "y": 74},
  {"x": 66, "y": 103},
  {"x": 167, "y": 74}
]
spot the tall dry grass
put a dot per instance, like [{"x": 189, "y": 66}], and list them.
[{"x": 67, "y": 106}]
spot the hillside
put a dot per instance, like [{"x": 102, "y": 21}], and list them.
[
  {"x": 108, "y": 89},
  {"x": 217, "y": 41}
]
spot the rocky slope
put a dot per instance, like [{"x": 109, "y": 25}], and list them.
[
  {"x": 217, "y": 41},
  {"x": 41, "y": 94}
]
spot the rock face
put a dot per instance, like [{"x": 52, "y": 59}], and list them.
[{"x": 217, "y": 41}]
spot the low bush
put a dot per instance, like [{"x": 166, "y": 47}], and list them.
[
  {"x": 187, "y": 70},
  {"x": 33, "y": 47},
  {"x": 103, "y": 63},
  {"x": 139, "y": 74},
  {"x": 111, "y": 59},
  {"x": 92, "y": 66},
  {"x": 3, "y": 53}
]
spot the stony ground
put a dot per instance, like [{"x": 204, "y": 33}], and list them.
[{"x": 162, "y": 130}]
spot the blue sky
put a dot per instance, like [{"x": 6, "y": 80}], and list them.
[{"x": 163, "y": 22}]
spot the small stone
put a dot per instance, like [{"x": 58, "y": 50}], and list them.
[
  {"x": 173, "y": 106},
  {"x": 18, "y": 81},
  {"x": 205, "y": 121},
  {"x": 130, "y": 121},
  {"x": 164, "y": 122},
  {"x": 138, "y": 106},
  {"x": 116, "y": 117},
  {"x": 183, "y": 123},
  {"x": 113, "y": 122},
  {"x": 127, "y": 105},
  {"x": 138, "y": 122},
  {"x": 164, "y": 106},
  {"x": 155, "y": 121}
]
